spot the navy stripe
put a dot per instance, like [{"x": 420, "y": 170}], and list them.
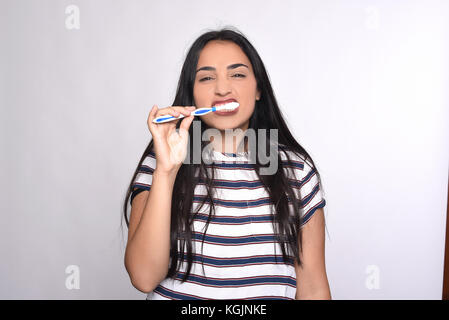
[
  {"x": 299, "y": 183},
  {"x": 139, "y": 188},
  {"x": 235, "y": 204},
  {"x": 250, "y": 203},
  {"x": 235, "y": 220},
  {"x": 308, "y": 176},
  {"x": 139, "y": 185},
  {"x": 241, "y": 261},
  {"x": 244, "y": 164},
  {"x": 226, "y": 165},
  {"x": 221, "y": 240},
  {"x": 309, "y": 214},
  {"x": 134, "y": 193},
  {"x": 234, "y": 183},
  {"x": 145, "y": 169},
  {"x": 238, "y": 282},
  {"x": 293, "y": 164},
  {"x": 228, "y": 184},
  {"x": 175, "y": 295},
  {"x": 310, "y": 196},
  {"x": 239, "y": 204}
]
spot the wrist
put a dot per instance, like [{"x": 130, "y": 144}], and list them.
[{"x": 170, "y": 174}]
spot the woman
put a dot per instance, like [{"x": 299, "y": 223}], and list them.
[{"x": 225, "y": 231}]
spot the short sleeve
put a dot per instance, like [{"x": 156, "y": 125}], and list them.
[
  {"x": 307, "y": 187},
  {"x": 144, "y": 177}
]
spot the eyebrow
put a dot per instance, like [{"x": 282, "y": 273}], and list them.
[{"x": 231, "y": 66}]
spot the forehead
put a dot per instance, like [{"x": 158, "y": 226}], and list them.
[{"x": 219, "y": 53}]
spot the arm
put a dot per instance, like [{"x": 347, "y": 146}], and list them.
[
  {"x": 312, "y": 283},
  {"x": 147, "y": 252}
]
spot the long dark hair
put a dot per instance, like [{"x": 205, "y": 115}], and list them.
[{"x": 267, "y": 116}]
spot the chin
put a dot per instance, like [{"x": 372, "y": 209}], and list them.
[{"x": 227, "y": 124}]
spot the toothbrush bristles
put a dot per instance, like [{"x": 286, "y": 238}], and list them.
[{"x": 228, "y": 106}]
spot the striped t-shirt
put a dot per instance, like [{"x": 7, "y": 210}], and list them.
[{"x": 241, "y": 258}]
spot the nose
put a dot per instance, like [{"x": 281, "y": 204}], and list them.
[{"x": 222, "y": 86}]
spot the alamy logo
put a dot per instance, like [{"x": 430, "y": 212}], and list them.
[
  {"x": 72, "y": 21},
  {"x": 372, "y": 18},
  {"x": 73, "y": 279},
  {"x": 373, "y": 279},
  {"x": 259, "y": 145}
]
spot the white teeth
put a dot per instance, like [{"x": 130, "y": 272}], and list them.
[
  {"x": 220, "y": 104},
  {"x": 227, "y": 107}
]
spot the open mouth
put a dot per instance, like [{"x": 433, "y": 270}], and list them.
[
  {"x": 219, "y": 103},
  {"x": 225, "y": 112}
]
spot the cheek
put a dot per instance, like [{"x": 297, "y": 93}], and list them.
[
  {"x": 197, "y": 91},
  {"x": 201, "y": 95},
  {"x": 195, "y": 95},
  {"x": 250, "y": 109},
  {"x": 249, "y": 89}
]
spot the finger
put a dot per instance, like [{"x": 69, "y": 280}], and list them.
[
  {"x": 176, "y": 111},
  {"x": 186, "y": 111},
  {"x": 151, "y": 117},
  {"x": 179, "y": 108},
  {"x": 152, "y": 113},
  {"x": 183, "y": 109},
  {"x": 186, "y": 122},
  {"x": 155, "y": 113},
  {"x": 168, "y": 111},
  {"x": 155, "y": 109}
]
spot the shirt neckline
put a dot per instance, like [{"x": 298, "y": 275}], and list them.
[{"x": 229, "y": 156}]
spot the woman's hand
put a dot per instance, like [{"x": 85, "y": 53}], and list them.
[{"x": 170, "y": 145}]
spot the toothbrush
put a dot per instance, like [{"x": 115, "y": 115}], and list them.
[{"x": 198, "y": 112}]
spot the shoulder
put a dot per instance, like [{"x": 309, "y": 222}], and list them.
[
  {"x": 294, "y": 161},
  {"x": 144, "y": 174}
]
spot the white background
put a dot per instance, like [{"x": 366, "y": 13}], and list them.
[{"x": 363, "y": 86}]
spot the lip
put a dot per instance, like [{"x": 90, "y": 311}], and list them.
[
  {"x": 223, "y": 101},
  {"x": 225, "y": 113}
]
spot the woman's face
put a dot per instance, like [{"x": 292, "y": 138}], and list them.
[{"x": 225, "y": 72}]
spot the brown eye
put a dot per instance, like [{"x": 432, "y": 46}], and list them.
[
  {"x": 205, "y": 79},
  {"x": 239, "y": 75}
]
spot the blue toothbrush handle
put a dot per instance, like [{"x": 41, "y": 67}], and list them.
[
  {"x": 197, "y": 112},
  {"x": 167, "y": 118}
]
